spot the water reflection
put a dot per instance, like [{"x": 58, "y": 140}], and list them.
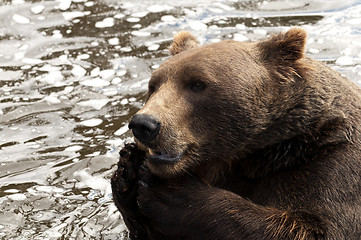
[{"x": 72, "y": 72}]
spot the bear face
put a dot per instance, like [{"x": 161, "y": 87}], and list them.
[{"x": 208, "y": 104}]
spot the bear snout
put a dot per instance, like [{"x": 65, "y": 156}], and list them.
[{"x": 144, "y": 127}]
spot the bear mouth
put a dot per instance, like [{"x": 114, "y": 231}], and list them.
[{"x": 158, "y": 157}]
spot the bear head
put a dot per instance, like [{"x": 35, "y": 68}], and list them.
[{"x": 217, "y": 102}]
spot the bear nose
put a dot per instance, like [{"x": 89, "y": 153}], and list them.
[{"x": 145, "y": 128}]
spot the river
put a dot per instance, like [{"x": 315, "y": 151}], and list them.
[{"x": 72, "y": 72}]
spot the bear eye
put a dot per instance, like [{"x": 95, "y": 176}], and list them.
[{"x": 197, "y": 86}]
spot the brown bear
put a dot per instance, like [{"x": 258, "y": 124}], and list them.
[{"x": 243, "y": 140}]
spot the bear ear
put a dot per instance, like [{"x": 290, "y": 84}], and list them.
[
  {"x": 285, "y": 47},
  {"x": 182, "y": 41}
]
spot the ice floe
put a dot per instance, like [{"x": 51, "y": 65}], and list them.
[
  {"x": 121, "y": 130},
  {"x": 95, "y": 82},
  {"x": 37, "y": 9},
  {"x": 91, "y": 122},
  {"x": 74, "y": 148},
  {"x": 113, "y": 41},
  {"x": 159, "y": 8},
  {"x": 20, "y": 19},
  {"x": 17, "y": 197},
  {"x": 94, "y": 103},
  {"x": 107, "y": 22},
  {"x": 64, "y": 4},
  {"x": 344, "y": 61}
]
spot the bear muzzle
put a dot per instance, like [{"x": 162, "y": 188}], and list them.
[{"x": 146, "y": 130}]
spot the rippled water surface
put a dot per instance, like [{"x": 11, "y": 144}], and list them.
[{"x": 72, "y": 72}]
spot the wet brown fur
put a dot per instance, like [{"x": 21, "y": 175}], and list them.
[{"x": 271, "y": 146}]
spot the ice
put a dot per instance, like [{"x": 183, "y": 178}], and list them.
[
  {"x": 106, "y": 22},
  {"x": 121, "y": 73},
  {"x": 25, "y": 67},
  {"x": 52, "y": 99},
  {"x": 49, "y": 68},
  {"x": 133, "y": 19},
  {"x": 52, "y": 78},
  {"x": 159, "y": 8},
  {"x": 11, "y": 191},
  {"x": 23, "y": 47},
  {"x": 93, "y": 154},
  {"x": 64, "y": 4},
  {"x": 137, "y": 26},
  {"x": 141, "y": 34},
  {"x": 119, "y": 16},
  {"x": 116, "y": 142},
  {"x": 116, "y": 81},
  {"x": 31, "y": 61},
  {"x": 121, "y": 130},
  {"x": 68, "y": 89},
  {"x": 94, "y": 43},
  {"x": 91, "y": 122},
  {"x": 110, "y": 91},
  {"x": 95, "y": 82},
  {"x": 17, "y": 197},
  {"x": 313, "y": 50},
  {"x": 260, "y": 32},
  {"x": 354, "y": 21},
  {"x": 215, "y": 10},
  {"x": 57, "y": 34},
  {"x": 49, "y": 189},
  {"x": 83, "y": 56},
  {"x": 113, "y": 41},
  {"x": 241, "y": 26},
  {"x": 95, "y": 103},
  {"x": 139, "y": 14},
  {"x": 78, "y": 71},
  {"x": 153, "y": 47},
  {"x": 18, "y": 2},
  {"x": 168, "y": 18},
  {"x": 126, "y": 49},
  {"x": 223, "y": 6},
  {"x": 240, "y": 37},
  {"x": 74, "y": 148},
  {"x": 197, "y": 25},
  {"x": 89, "y": 4},
  {"x": 95, "y": 72},
  {"x": 344, "y": 61},
  {"x": 10, "y": 75},
  {"x": 20, "y": 19},
  {"x": 37, "y": 9},
  {"x": 54, "y": 231},
  {"x": 106, "y": 74},
  {"x": 93, "y": 182},
  {"x": 124, "y": 101},
  {"x": 71, "y": 15}
]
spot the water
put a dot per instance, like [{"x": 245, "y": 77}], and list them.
[{"x": 72, "y": 72}]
